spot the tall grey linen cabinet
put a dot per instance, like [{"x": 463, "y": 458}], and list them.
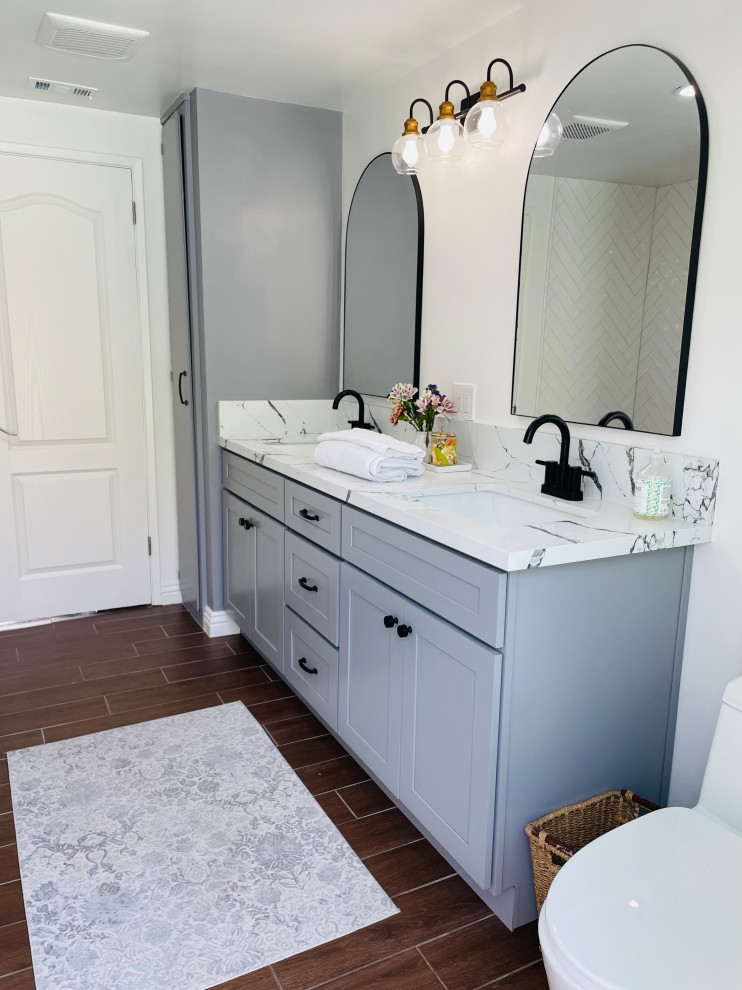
[{"x": 253, "y": 220}]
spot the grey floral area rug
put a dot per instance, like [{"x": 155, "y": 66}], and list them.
[{"x": 176, "y": 855}]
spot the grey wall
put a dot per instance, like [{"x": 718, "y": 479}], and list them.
[{"x": 268, "y": 212}]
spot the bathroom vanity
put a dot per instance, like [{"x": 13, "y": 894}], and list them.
[{"x": 482, "y": 680}]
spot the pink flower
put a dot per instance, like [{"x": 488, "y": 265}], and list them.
[{"x": 396, "y": 413}]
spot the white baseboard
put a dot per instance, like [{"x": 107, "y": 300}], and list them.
[
  {"x": 170, "y": 594},
  {"x": 219, "y": 623}
]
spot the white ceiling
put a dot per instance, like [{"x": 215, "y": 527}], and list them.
[{"x": 299, "y": 51}]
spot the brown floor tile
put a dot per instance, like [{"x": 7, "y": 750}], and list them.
[
  {"x": 77, "y": 650},
  {"x": 181, "y": 626},
  {"x": 7, "y": 830},
  {"x": 482, "y": 953},
  {"x": 3, "y": 771},
  {"x": 16, "y": 951},
  {"x": 257, "y": 694},
  {"x": 111, "y": 667},
  {"x": 271, "y": 712},
  {"x": 19, "y": 981},
  {"x": 123, "y": 617},
  {"x": 296, "y": 730},
  {"x": 5, "y": 802},
  {"x": 177, "y": 643},
  {"x": 39, "y": 718},
  {"x": 261, "y": 979},
  {"x": 87, "y": 726},
  {"x": 365, "y": 799},
  {"x": 8, "y": 655},
  {"x": 331, "y": 775},
  {"x": 408, "y": 867},
  {"x": 335, "y": 809},
  {"x": 32, "y": 679},
  {"x": 145, "y": 634},
  {"x": 9, "y": 869},
  {"x": 11, "y": 903},
  {"x": 377, "y": 833},
  {"x": 19, "y": 740},
  {"x": 145, "y": 698},
  {"x": 533, "y": 978},
  {"x": 216, "y": 665},
  {"x": 310, "y": 751},
  {"x": 29, "y": 700},
  {"x": 425, "y": 914},
  {"x": 407, "y": 971}
]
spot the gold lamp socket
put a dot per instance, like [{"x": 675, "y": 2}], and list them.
[
  {"x": 410, "y": 126},
  {"x": 446, "y": 111},
  {"x": 487, "y": 92}
]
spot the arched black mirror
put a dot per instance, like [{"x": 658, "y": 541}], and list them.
[
  {"x": 383, "y": 280},
  {"x": 609, "y": 248}
]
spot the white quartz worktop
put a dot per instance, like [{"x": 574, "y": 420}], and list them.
[{"x": 583, "y": 530}]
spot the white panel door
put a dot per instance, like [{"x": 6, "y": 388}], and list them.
[{"x": 73, "y": 486}]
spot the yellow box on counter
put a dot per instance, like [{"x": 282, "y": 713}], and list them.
[{"x": 443, "y": 449}]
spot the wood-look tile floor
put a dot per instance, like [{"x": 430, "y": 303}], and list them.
[{"x": 117, "y": 668}]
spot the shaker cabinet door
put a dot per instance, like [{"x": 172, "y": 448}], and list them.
[
  {"x": 267, "y": 630},
  {"x": 450, "y": 717},
  {"x": 370, "y": 675},
  {"x": 239, "y": 563}
]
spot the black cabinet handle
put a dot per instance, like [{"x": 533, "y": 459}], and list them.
[
  {"x": 306, "y": 585},
  {"x": 245, "y": 523},
  {"x": 305, "y": 666},
  {"x": 308, "y": 515},
  {"x": 181, "y": 376},
  {"x": 390, "y": 621},
  {"x": 403, "y": 631}
]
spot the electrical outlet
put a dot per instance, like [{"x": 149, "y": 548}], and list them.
[{"x": 463, "y": 397}]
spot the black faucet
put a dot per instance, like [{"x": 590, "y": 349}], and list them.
[
  {"x": 617, "y": 414},
  {"x": 358, "y": 424},
  {"x": 562, "y": 480}
]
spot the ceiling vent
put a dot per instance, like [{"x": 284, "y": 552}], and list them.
[
  {"x": 583, "y": 128},
  {"x": 91, "y": 38},
  {"x": 56, "y": 88}
]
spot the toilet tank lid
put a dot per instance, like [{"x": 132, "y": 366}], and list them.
[{"x": 733, "y": 694}]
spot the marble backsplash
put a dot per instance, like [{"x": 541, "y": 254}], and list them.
[{"x": 497, "y": 452}]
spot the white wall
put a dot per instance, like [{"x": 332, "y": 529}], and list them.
[
  {"x": 472, "y": 221},
  {"x": 74, "y": 129}
]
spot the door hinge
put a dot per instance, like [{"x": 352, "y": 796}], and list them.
[
  {"x": 133, "y": 212},
  {"x": 149, "y": 545}
]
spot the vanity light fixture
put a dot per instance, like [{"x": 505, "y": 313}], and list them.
[
  {"x": 549, "y": 138},
  {"x": 485, "y": 125}
]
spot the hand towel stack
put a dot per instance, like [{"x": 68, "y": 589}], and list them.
[{"x": 369, "y": 455}]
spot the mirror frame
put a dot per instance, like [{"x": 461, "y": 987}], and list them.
[
  {"x": 418, "y": 273},
  {"x": 695, "y": 245}
]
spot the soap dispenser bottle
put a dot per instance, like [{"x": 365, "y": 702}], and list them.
[{"x": 653, "y": 490}]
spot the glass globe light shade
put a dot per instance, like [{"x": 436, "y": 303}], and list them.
[
  {"x": 486, "y": 124},
  {"x": 444, "y": 141},
  {"x": 549, "y": 137},
  {"x": 408, "y": 153}
]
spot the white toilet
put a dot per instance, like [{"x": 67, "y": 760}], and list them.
[{"x": 657, "y": 903}]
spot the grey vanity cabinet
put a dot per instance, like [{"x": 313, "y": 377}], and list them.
[
  {"x": 421, "y": 710},
  {"x": 253, "y": 548}
]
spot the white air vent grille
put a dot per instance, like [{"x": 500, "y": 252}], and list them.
[
  {"x": 91, "y": 38},
  {"x": 53, "y": 86}
]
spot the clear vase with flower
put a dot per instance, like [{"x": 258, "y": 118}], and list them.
[{"x": 420, "y": 412}]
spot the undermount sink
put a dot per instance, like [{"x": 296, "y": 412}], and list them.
[{"x": 495, "y": 508}]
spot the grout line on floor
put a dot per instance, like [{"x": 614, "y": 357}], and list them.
[
  {"x": 355, "y": 816},
  {"x": 105, "y": 698},
  {"x": 275, "y": 977},
  {"x": 417, "y": 949},
  {"x": 422, "y": 885},
  {"x": 494, "y": 983},
  {"x": 402, "y": 846}
]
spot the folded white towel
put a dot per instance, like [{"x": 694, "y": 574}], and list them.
[
  {"x": 366, "y": 463},
  {"x": 379, "y": 442}
]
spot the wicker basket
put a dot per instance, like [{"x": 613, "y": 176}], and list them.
[{"x": 558, "y": 836}]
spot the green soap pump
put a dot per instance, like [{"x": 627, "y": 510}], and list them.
[{"x": 653, "y": 490}]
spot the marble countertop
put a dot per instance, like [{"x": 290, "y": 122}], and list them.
[{"x": 582, "y": 530}]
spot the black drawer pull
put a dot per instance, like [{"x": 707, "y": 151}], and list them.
[
  {"x": 306, "y": 585},
  {"x": 308, "y": 515},
  {"x": 403, "y": 631},
  {"x": 305, "y": 666},
  {"x": 245, "y": 523},
  {"x": 390, "y": 621}
]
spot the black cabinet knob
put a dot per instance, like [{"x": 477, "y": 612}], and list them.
[
  {"x": 306, "y": 514},
  {"x": 403, "y": 631},
  {"x": 390, "y": 621},
  {"x": 306, "y": 585},
  {"x": 245, "y": 523},
  {"x": 305, "y": 666}
]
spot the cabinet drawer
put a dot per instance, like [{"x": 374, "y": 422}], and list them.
[
  {"x": 312, "y": 578},
  {"x": 311, "y": 668},
  {"x": 315, "y": 516},
  {"x": 467, "y": 593},
  {"x": 256, "y": 484}
]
